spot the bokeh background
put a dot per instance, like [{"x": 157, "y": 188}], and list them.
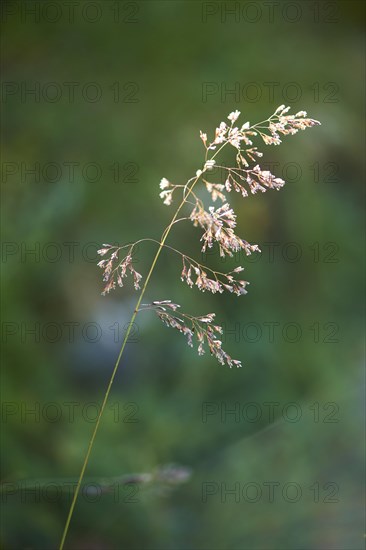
[{"x": 140, "y": 72}]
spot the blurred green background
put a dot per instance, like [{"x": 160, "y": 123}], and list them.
[{"x": 139, "y": 72}]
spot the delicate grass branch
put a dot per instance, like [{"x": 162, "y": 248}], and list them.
[{"x": 218, "y": 227}]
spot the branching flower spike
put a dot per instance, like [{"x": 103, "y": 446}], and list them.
[{"x": 218, "y": 223}]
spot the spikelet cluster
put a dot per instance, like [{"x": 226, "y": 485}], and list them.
[
  {"x": 115, "y": 270},
  {"x": 201, "y": 329},
  {"x": 218, "y": 282}
]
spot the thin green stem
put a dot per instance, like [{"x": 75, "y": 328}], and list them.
[
  {"x": 114, "y": 372},
  {"x": 115, "y": 369},
  {"x": 91, "y": 442}
]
